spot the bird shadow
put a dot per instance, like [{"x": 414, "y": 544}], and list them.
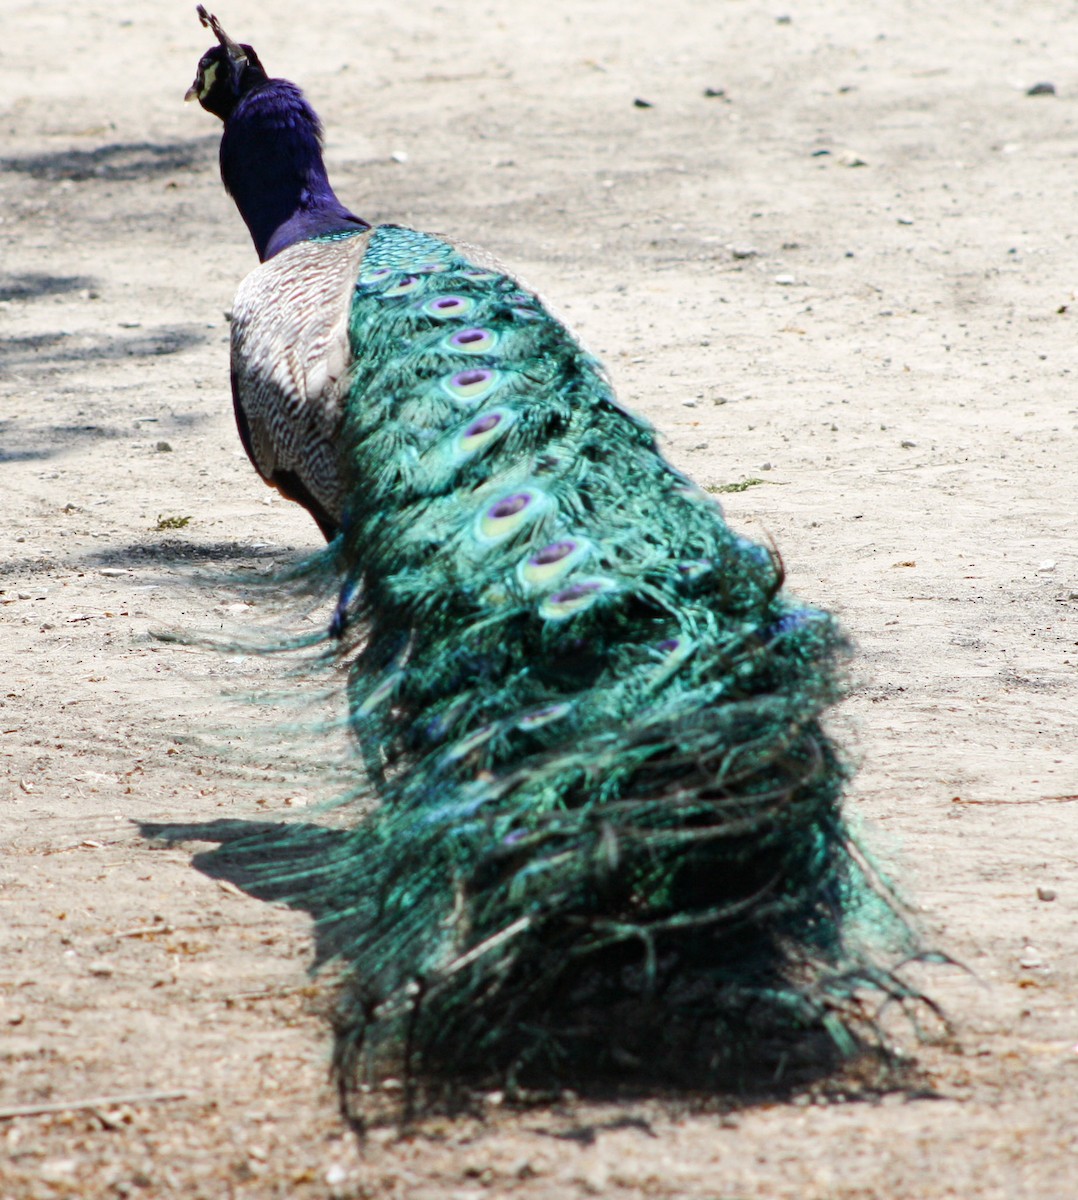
[
  {"x": 264, "y": 859},
  {"x": 115, "y": 161},
  {"x": 33, "y": 285},
  {"x": 61, "y": 347},
  {"x": 270, "y": 861}
]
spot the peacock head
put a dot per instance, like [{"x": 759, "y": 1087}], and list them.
[{"x": 226, "y": 73}]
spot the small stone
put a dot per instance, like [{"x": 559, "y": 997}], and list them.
[
  {"x": 638, "y": 103},
  {"x": 741, "y": 252},
  {"x": 163, "y": 448},
  {"x": 399, "y": 156},
  {"x": 713, "y": 93},
  {"x": 851, "y": 159},
  {"x": 1042, "y": 89},
  {"x": 335, "y": 1174},
  {"x": 1047, "y": 566},
  {"x": 785, "y": 280},
  {"x": 57, "y": 1170},
  {"x": 1046, "y": 894},
  {"x": 101, "y": 968}
]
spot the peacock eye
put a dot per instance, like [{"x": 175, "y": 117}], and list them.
[
  {"x": 471, "y": 386},
  {"x": 574, "y": 598},
  {"x": 473, "y": 341},
  {"x": 551, "y": 563},
  {"x": 374, "y": 276},
  {"x": 445, "y": 307},
  {"x": 483, "y": 430},
  {"x": 509, "y": 514},
  {"x": 403, "y": 286}
]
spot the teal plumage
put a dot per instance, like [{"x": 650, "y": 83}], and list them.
[{"x": 610, "y": 822}]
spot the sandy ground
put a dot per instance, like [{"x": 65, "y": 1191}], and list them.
[{"x": 851, "y": 276}]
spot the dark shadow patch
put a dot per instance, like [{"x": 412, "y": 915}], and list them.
[
  {"x": 22, "y": 444},
  {"x": 62, "y": 347},
  {"x": 174, "y": 551},
  {"x": 234, "y": 557},
  {"x": 23, "y": 439},
  {"x": 263, "y": 858},
  {"x": 32, "y": 285},
  {"x": 118, "y": 161},
  {"x": 649, "y": 1049}
]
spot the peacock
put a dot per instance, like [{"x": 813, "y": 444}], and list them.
[{"x": 609, "y": 832}]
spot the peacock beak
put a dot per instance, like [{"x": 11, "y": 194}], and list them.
[{"x": 192, "y": 92}]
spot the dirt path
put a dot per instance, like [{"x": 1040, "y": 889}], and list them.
[{"x": 852, "y": 276}]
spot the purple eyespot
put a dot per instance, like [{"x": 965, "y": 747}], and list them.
[
  {"x": 553, "y": 553},
  {"x": 510, "y": 506},
  {"x": 470, "y": 378},
  {"x": 669, "y": 644},
  {"x": 483, "y": 425},
  {"x": 448, "y": 306},
  {"x": 469, "y": 337},
  {"x": 576, "y": 591}
]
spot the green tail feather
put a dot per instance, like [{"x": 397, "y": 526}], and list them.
[{"x": 594, "y": 713}]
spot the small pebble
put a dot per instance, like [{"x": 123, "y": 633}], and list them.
[
  {"x": 163, "y": 448},
  {"x": 1047, "y": 565},
  {"x": 744, "y": 251},
  {"x": 335, "y": 1174},
  {"x": 399, "y": 156},
  {"x": 713, "y": 93},
  {"x": 638, "y": 103},
  {"x": 1046, "y": 894},
  {"x": 785, "y": 280},
  {"x": 1042, "y": 89}
]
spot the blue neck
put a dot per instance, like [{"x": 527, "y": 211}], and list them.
[{"x": 271, "y": 164}]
